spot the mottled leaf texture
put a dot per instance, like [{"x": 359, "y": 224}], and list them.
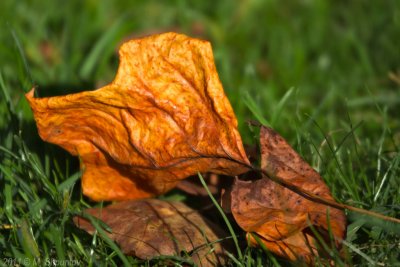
[
  {"x": 163, "y": 118},
  {"x": 152, "y": 227},
  {"x": 285, "y": 221}
]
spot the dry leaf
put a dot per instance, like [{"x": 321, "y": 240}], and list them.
[
  {"x": 150, "y": 228},
  {"x": 279, "y": 216},
  {"x": 164, "y": 117}
]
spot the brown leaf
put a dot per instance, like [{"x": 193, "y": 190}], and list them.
[
  {"x": 192, "y": 185},
  {"x": 282, "y": 218},
  {"x": 150, "y": 228},
  {"x": 164, "y": 117}
]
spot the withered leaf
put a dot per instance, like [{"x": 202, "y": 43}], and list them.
[
  {"x": 285, "y": 221},
  {"x": 163, "y": 118},
  {"x": 152, "y": 227}
]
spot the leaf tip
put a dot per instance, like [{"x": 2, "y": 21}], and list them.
[{"x": 30, "y": 95}]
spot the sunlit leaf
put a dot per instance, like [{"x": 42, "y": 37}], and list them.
[{"x": 163, "y": 118}]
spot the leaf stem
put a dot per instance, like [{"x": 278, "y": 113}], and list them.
[{"x": 316, "y": 198}]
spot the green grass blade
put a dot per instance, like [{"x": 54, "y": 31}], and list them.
[
  {"x": 394, "y": 164},
  {"x": 233, "y": 258},
  {"x": 68, "y": 183},
  {"x": 108, "y": 240},
  {"x": 255, "y": 109},
  {"x": 23, "y": 57},
  {"x": 359, "y": 252},
  {"x": 266, "y": 250},
  {"x": 228, "y": 224},
  {"x": 279, "y": 108},
  {"x": 103, "y": 43},
  {"x": 55, "y": 234},
  {"x": 6, "y": 94},
  {"x": 27, "y": 240}
]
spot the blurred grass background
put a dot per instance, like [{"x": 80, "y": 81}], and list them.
[{"x": 325, "y": 74}]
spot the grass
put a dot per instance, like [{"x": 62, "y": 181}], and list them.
[{"x": 324, "y": 74}]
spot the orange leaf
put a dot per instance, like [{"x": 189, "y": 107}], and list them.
[
  {"x": 163, "y": 118},
  {"x": 283, "y": 219},
  {"x": 151, "y": 227}
]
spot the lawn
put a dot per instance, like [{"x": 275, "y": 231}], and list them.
[{"x": 324, "y": 74}]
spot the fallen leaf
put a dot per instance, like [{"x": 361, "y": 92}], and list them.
[
  {"x": 282, "y": 219},
  {"x": 163, "y": 118},
  {"x": 152, "y": 227},
  {"x": 192, "y": 185}
]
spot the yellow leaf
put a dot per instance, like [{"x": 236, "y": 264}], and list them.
[{"x": 163, "y": 118}]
